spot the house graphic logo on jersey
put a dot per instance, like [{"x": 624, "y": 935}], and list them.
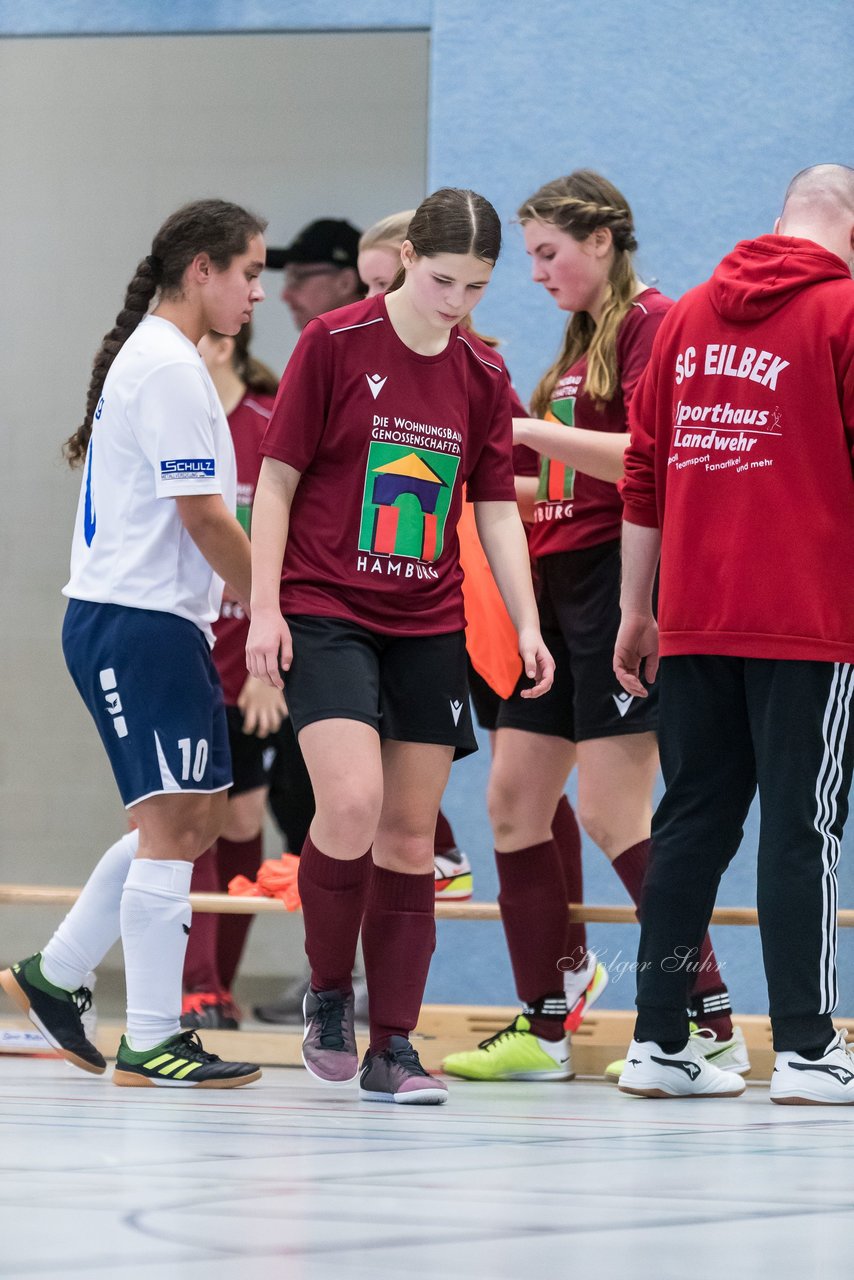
[
  {"x": 557, "y": 480},
  {"x": 406, "y": 501},
  {"x": 376, "y": 382}
]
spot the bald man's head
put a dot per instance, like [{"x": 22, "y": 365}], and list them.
[{"x": 819, "y": 206}]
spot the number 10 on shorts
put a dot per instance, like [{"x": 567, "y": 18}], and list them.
[{"x": 197, "y": 760}]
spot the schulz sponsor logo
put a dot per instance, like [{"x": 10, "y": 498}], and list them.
[{"x": 181, "y": 468}]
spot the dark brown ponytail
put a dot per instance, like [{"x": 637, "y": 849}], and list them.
[
  {"x": 216, "y": 227},
  {"x": 453, "y": 220}
]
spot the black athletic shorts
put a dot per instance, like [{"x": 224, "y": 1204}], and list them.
[
  {"x": 578, "y": 594},
  {"x": 409, "y": 688},
  {"x": 251, "y": 757},
  {"x": 486, "y": 702}
]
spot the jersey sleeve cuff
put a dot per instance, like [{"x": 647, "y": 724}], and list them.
[{"x": 646, "y": 517}]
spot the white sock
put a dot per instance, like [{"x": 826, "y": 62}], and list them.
[
  {"x": 155, "y": 917},
  {"x": 92, "y": 925}
]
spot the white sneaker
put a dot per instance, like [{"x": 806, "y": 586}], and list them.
[
  {"x": 452, "y": 873},
  {"x": 582, "y": 988},
  {"x": 651, "y": 1073},
  {"x": 829, "y": 1081},
  {"x": 727, "y": 1055}
]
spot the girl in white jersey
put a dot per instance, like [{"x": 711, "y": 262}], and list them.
[
  {"x": 387, "y": 406},
  {"x": 155, "y": 537}
]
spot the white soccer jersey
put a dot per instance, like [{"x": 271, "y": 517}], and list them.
[{"x": 159, "y": 433}]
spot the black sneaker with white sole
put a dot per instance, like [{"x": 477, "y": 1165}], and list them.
[
  {"x": 56, "y": 1013},
  {"x": 396, "y": 1075}
]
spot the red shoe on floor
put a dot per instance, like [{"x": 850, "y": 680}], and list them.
[{"x": 212, "y": 1009}]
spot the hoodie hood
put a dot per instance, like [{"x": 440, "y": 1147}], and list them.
[{"x": 761, "y": 275}]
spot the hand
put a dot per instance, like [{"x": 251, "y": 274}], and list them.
[
  {"x": 538, "y": 662},
  {"x": 636, "y": 652},
  {"x": 263, "y": 707},
  {"x": 268, "y": 647}
]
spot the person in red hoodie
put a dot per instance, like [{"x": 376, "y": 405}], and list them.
[{"x": 739, "y": 475}]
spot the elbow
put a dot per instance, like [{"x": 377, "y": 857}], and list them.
[{"x": 201, "y": 519}]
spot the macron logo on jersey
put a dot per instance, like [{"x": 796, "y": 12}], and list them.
[
  {"x": 179, "y": 468},
  {"x": 376, "y": 382}
]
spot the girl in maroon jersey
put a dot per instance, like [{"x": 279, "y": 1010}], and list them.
[
  {"x": 580, "y": 235},
  {"x": 386, "y": 408},
  {"x": 257, "y": 723},
  {"x": 491, "y": 668},
  {"x": 378, "y": 261}
]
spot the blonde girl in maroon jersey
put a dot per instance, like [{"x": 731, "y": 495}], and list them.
[
  {"x": 579, "y": 232},
  {"x": 385, "y": 409}
]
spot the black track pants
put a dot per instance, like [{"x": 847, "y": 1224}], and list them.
[{"x": 728, "y": 726}]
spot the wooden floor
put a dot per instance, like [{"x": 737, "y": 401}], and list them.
[{"x": 287, "y": 1178}]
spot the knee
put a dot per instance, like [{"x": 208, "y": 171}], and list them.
[
  {"x": 399, "y": 848},
  {"x": 352, "y": 812},
  {"x": 590, "y": 821},
  {"x": 600, "y": 826},
  {"x": 505, "y": 804},
  {"x": 243, "y": 821},
  {"x": 189, "y": 843}
]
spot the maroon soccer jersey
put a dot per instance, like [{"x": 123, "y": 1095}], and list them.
[
  {"x": 575, "y": 510},
  {"x": 248, "y": 422},
  {"x": 384, "y": 439}
]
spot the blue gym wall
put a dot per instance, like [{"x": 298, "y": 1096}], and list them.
[{"x": 700, "y": 113}]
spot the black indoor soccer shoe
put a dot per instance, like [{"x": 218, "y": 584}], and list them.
[
  {"x": 396, "y": 1075},
  {"x": 55, "y": 1012},
  {"x": 180, "y": 1063}
]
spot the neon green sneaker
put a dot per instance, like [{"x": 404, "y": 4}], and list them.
[
  {"x": 728, "y": 1055},
  {"x": 513, "y": 1054},
  {"x": 179, "y": 1063}
]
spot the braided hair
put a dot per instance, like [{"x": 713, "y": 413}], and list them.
[
  {"x": 579, "y": 204},
  {"x": 216, "y": 227}
]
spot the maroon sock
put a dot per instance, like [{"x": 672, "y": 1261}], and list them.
[
  {"x": 234, "y": 858},
  {"x": 398, "y": 939},
  {"x": 630, "y": 866},
  {"x": 444, "y": 838},
  {"x": 333, "y": 893},
  {"x": 567, "y": 837},
  {"x": 532, "y": 899},
  {"x": 710, "y": 1005},
  {"x": 200, "y": 963}
]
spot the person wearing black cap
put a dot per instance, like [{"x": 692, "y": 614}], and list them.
[{"x": 320, "y": 269}]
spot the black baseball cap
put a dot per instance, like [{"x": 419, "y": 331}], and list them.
[{"x": 329, "y": 240}]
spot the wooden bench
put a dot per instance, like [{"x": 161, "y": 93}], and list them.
[{"x": 442, "y": 1029}]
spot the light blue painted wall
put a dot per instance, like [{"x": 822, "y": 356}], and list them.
[{"x": 700, "y": 113}]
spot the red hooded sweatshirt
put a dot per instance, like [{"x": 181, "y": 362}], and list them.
[{"x": 742, "y": 453}]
